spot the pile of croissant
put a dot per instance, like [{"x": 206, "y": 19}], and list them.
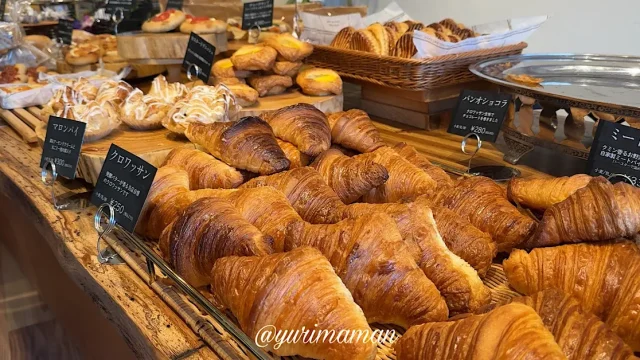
[
  {"x": 396, "y": 38},
  {"x": 298, "y": 218}
]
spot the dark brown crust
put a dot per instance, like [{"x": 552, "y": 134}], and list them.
[
  {"x": 342, "y": 40},
  {"x": 405, "y": 47},
  {"x": 415, "y": 27}
]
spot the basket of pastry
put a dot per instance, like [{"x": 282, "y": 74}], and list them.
[
  {"x": 273, "y": 67},
  {"x": 384, "y": 55}
]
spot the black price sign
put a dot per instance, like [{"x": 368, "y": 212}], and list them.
[
  {"x": 615, "y": 150},
  {"x": 480, "y": 112},
  {"x": 124, "y": 182},
  {"x": 126, "y": 6},
  {"x": 199, "y": 53},
  {"x": 62, "y": 145},
  {"x": 64, "y": 30},
  {"x": 257, "y": 13},
  {"x": 174, "y": 4}
]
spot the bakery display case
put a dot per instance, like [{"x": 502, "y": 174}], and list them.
[{"x": 256, "y": 214}]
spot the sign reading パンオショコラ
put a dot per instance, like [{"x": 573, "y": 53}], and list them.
[{"x": 480, "y": 112}]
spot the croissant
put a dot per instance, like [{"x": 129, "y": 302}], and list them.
[
  {"x": 349, "y": 177},
  {"x": 599, "y": 211},
  {"x": 371, "y": 259},
  {"x": 296, "y": 291},
  {"x": 295, "y": 157},
  {"x": 581, "y": 335},
  {"x": 168, "y": 182},
  {"x": 456, "y": 280},
  {"x": 309, "y": 195},
  {"x": 247, "y": 144},
  {"x": 465, "y": 240},
  {"x": 541, "y": 194},
  {"x": 302, "y": 125},
  {"x": 355, "y": 130},
  {"x": 209, "y": 229},
  {"x": 406, "y": 182},
  {"x": 436, "y": 173},
  {"x": 205, "y": 171},
  {"x": 510, "y": 332},
  {"x": 603, "y": 277},
  {"x": 483, "y": 202}
]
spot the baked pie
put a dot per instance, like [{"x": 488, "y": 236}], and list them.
[
  {"x": 270, "y": 84},
  {"x": 319, "y": 82},
  {"x": 254, "y": 57}
]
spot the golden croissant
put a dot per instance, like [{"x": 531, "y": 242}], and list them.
[
  {"x": 207, "y": 230},
  {"x": 599, "y": 211},
  {"x": 509, "y": 332},
  {"x": 370, "y": 257},
  {"x": 406, "y": 182},
  {"x": 456, "y": 280},
  {"x": 293, "y": 292},
  {"x": 247, "y": 144},
  {"x": 580, "y": 334},
  {"x": 349, "y": 177},
  {"x": 296, "y": 158},
  {"x": 483, "y": 203},
  {"x": 436, "y": 173},
  {"x": 302, "y": 125},
  {"x": 541, "y": 194},
  {"x": 307, "y": 192},
  {"x": 355, "y": 130},
  {"x": 205, "y": 171},
  {"x": 603, "y": 277}
]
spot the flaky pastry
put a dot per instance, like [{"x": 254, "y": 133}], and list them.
[
  {"x": 101, "y": 118},
  {"x": 286, "y": 68},
  {"x": 270, "y": 84},
  {"x": 168, "y": 92},
  {"x": 320, "y": 82},
  {"x": 224, "y": 69},
  {"x": 245, "y": 95},
  {"x": 143, "y": 112},
  {"x": 254, "y": 57},
  {"x": 289, "y": 47},
  {"x": 204, "y": 104}
]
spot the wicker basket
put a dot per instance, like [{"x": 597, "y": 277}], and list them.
[{"x": 407, "y": 74}]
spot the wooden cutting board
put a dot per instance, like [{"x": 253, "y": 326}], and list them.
[
  {"x": 327, "y": 104},
  {"x": 172, "y": 45},
  {"x": 137, "y": 70}
]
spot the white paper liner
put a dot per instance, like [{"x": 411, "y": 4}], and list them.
[
  {"x": 393, "y": 12},
  {"x": 501, "y": 33},
  {"x": 320, "y": 29},
  {"x": 42, "y": 95}
]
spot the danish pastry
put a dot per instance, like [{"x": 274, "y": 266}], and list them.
[
  {"x": 254, "y": 57},
  {"x": 202, "y": 25},
  {"x": 143, "y": 112},
  {"x": 224, "y": 69},
  {"x": 165, "y": 21},
  {"x": 289, "y": 47},
  {"x": 270, "y": 84},
  {"x": 229, "y": 81},
  {"x": 286, "y": 68},
  {"x": 320, "y": 82},
  {"x": 245, "y": 95}
]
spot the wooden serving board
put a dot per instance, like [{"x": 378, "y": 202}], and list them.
[
  {"x": 173, "y": 45},
  {"x": 138, "y": 70},
  {"x": 327, "y": 104}
]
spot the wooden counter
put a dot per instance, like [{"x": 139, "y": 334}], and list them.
[{"x": 109, "y": 310}]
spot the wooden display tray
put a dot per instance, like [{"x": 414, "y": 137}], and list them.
[
  {"x": 327, "y": 104},
  {"x": 424, "y": 109},
  {"x": 141, "y": 46},
  {"x": 137, "y": 70}
]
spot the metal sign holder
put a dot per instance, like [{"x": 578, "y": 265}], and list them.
[
  {"x": 73, "y": 202},
  {"x": 495, "y": 172}
]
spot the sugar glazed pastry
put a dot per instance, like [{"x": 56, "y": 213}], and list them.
[
  {"x": 204, "y": 104},
  {"x": 168, "y": 92},
  {"x": 290, "y": 48},
  {"x": 84, "y": 54},
  {"x": 101, "y": 118},
  {"x": 202, "y": 25},
  {"x": 319, "y": 82},
  {"x": 254, "y": 57},
  {"x": 143, "y": 112},
  {"x": 165, "y": 21}
]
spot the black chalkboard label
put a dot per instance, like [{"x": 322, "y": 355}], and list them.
[
  {"x": 615, "y": 150},
  {"x": 126, "y": 6},
  {"x": 174, "y": 4},
  {"x": 257, "y": 13},
  {"x": 480, "y": 112},
  {"x": 64, "y": 30},
  {"x": 124, "y": 182},
  {"x": 3, "y": 7},
  {"x": 199, "y": 53},
  {"x": 62, "y": 145}
]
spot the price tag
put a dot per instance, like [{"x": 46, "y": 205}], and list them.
[
  {"x": 62, "y": 145},
  {"x": 174, "y": 4},
  {"x": 615, "y": 150},
  {"x": 199, "y": 53},
  {"x": 126, "y": 6},
  {"x": 480, "y": 112},
  {"x": 257, "y": 13},
  {"x": 124, "y": 182},
  {"x": 64, "y": 30}
]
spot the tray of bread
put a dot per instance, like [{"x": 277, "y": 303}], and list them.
[
  {"x": 382, "y": 54},
  {"x": 314, "y": 221},
  {"x": 164, "y": 37}
]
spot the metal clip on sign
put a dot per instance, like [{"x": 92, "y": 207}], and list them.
[
  {"x": 463, "y": 146},
  {"x": 117, "y": 18},
  {"x": 73, "y": 202},
  {"x": 190, "y": 69},
  {"x": 106, "y": 256},
  {"x": 254, "y": 34},
  {"x": 623, "y": 176}
]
